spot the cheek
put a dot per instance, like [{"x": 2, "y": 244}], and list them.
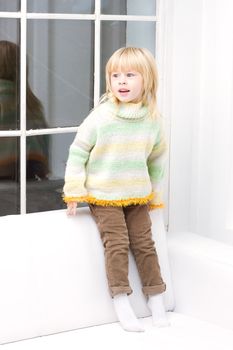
[
  {"x": 140, "y": 88},
  {"x": 113, "y": 85}
]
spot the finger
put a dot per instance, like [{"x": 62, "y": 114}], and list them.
[
  {"x": 74, "y": 210},
  {"x": 71, "y": 209}
]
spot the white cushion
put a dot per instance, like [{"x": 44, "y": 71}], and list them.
[{"x": 53, "y": 276}]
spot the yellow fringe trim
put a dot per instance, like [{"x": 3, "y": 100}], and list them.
[
  {"x": 113, "y": 203},
  {"x": 157, "y": 206}
]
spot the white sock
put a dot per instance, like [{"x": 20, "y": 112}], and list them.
[
  {"x": 158, "y": 311},
  {"x": 125, "y": 314}
]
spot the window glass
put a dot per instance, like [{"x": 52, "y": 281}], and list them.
[
  {"x": 128, "y": 7},
  {"x": 60, "y": 72},
  {"x": 9, "y": 176},
  {"x": 141, "y": 34},
  {"x": 61, "y": 6},
  {"x": 9, "y": 85},
  {"x": 12, "y": 5},
  {"x": 46, "y": 170},
  {"x": 116, "y": 34},
  {"x": 9, "y": 116}
]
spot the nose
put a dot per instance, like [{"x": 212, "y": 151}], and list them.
[{"x": 122, "y": 80}]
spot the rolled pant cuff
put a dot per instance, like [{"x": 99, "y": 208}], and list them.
[
  {"x": 153, "y": 290},
  {"x": 120, "y": 290}
]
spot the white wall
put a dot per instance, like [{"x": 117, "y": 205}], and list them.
[
  {"x": 201, "y": 114},
  {"x": 185, "y": 62},
  {"x": 215, "y": 119}
]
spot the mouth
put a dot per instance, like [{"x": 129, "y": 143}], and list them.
[{"x": 122, "y": 91}]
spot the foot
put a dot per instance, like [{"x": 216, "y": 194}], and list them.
[
  {"x": 159, "y": 316},
  {"x": 125, "y": 314}
]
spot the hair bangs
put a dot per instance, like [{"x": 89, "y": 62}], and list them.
[{"x": 125, "y": 60}]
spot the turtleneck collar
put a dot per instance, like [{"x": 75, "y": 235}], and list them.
[{"x": 129, "y": 110}]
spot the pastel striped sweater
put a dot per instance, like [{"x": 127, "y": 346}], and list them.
[{"x": 117, "y": 157}]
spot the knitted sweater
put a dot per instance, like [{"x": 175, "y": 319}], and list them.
[{"x": 116, "y": 157}]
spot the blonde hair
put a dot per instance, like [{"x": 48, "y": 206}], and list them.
[{"x": 142, "y": 61}]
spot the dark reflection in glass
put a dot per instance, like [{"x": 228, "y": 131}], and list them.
[
  {"x": 111, "y": 7},
  {"x": 61, "y": 73},
  {"x": 37, "y": 161},
  {"x": 128, "y": 7},
  {"x": 116, "y": 34},
  {"x": 37, "y": 156},
  {"x": 9, "y": 5},
  {"x": 9, "y": 185},
  {"x": 46, "y": 194},
  {"x": 9, "y": 119},
  {"x": 9, "y": 112},
  {"x": 58, "y": 6}
]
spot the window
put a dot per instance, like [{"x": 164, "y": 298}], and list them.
[{"x": 55, "y": 75}]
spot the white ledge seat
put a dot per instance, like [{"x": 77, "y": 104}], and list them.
[
  {"x": 53, "y": 277},
  {"x": 53, "y": 281}
]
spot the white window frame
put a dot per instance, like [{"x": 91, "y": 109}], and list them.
[{"x": 97, "y": 18}]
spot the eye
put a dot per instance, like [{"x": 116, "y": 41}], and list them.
[
  {"x": 130, "y": 74},
  {"x": 115, "y": 75}
]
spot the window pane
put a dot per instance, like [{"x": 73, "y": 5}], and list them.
[
  {"x": 141, "y": 34},
  {"x": 61, "y": 6},
  {"x": 9, "y": 176},
  {"x": 38, "y": 157},
  {"x": 46, "y": 178},
  {"x": 12, "y": 5},
  {"x": 9, "y": 84},
  {"x": 116, "y": 34},
  {"x": 60, "y": 65},
  {"x": 9, "y": 116},
  {"x": 128, "y": 7},
  {"x": 10, "y": 197}
]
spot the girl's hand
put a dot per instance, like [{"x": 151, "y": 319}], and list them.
[{"x": 71, "y": 208}]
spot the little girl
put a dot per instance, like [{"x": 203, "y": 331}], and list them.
[{"x": 116, "y": 165}]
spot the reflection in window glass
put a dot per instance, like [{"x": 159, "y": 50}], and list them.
[
  {"x": 129, "y": 7},
  {"x": 62, "y": 6},
  {"x": 12, "y": 5},
  {"x": 9, "y": 175},
  {"x": 60, "y": 64},
  {"x": 45, "y": 184},
  {"x": 38, "y": 157},
  {"x": 9, "y": 85},
  {"x": 9, "y": 115},
  {"x": 116, "y": 34},
  {"x": 112, "y": 7},
  {"x": 9, "y": 74}
]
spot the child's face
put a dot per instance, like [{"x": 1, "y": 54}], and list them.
[{"x": 127, "y": 86}]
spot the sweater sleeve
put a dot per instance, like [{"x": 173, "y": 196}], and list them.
[
  {"x": 156, "y": 168},
  {"x": 75, "y": 174}
]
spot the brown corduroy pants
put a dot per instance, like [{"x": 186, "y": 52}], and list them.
[{"x": 121, "y": 229}]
